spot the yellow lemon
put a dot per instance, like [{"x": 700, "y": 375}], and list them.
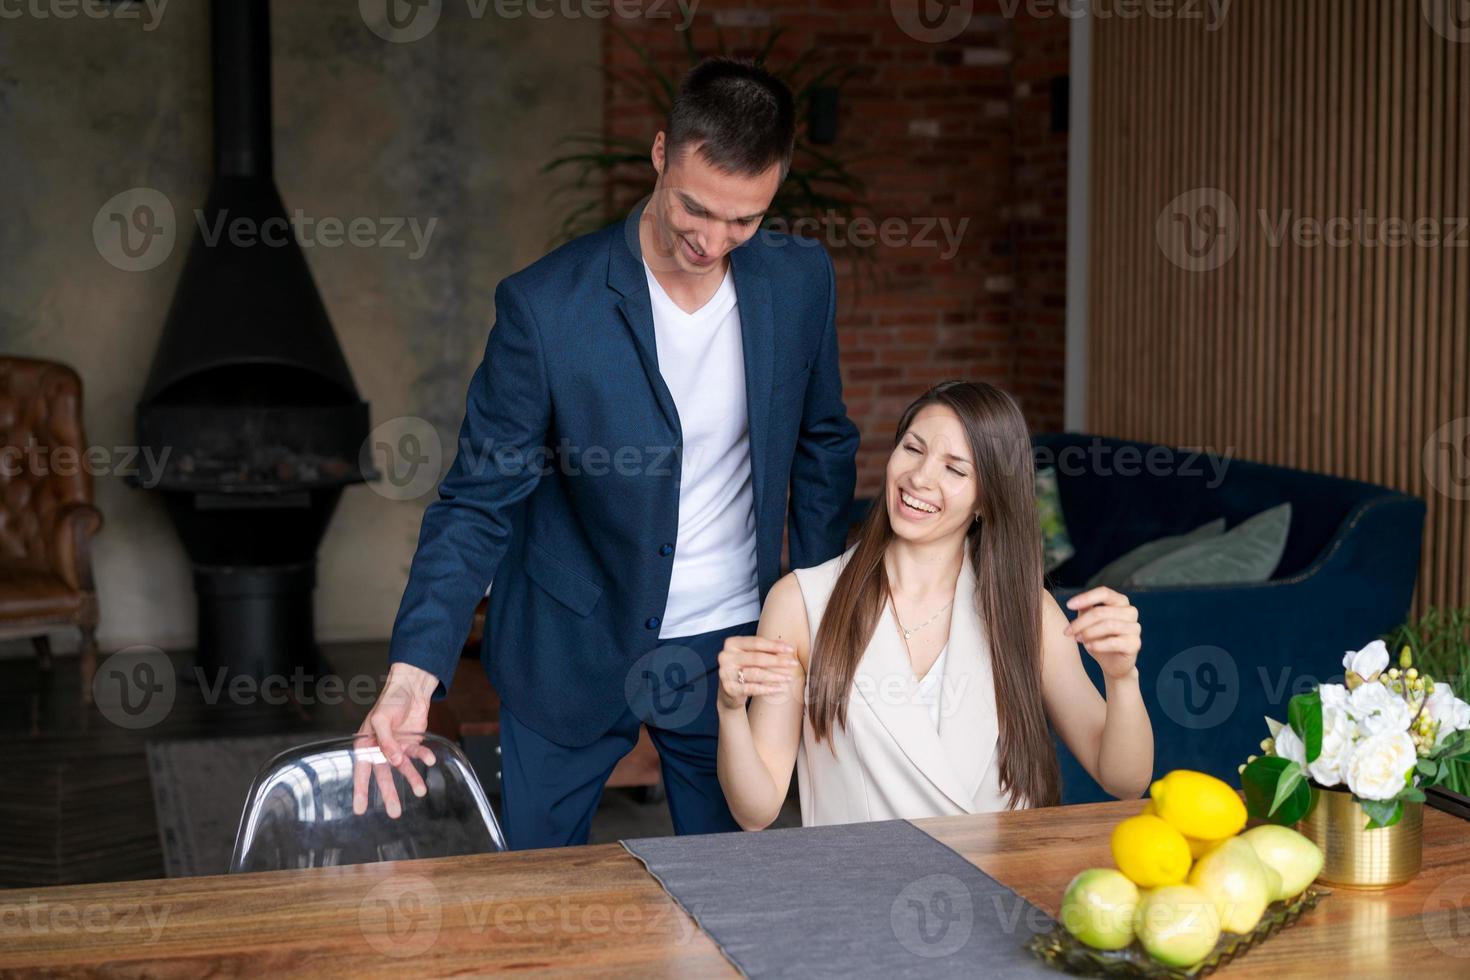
[
  {"x": 1199, "y": 847},
  {"x": 1150, "y": 852},
  {"x": 1198, "y": 805}
]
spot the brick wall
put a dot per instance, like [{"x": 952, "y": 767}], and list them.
[{"x": 952, "y": 135}]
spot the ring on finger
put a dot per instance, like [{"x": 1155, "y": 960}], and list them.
[{"x": 740, "y": 676}]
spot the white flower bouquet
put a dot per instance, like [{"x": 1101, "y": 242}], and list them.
[{"x": 1384, "y": 735}]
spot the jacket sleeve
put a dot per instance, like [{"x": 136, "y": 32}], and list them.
[
  {"x": 465, "y": 532},
  {"x": 824, "y": 472}
]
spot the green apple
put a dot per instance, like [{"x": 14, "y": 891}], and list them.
[
  {"x": 1297, "y": 860},
  {"x": 1178, "y": 924},
  {"x": 1099, "y": 906},
  {"x": 1235, "y": 878}
]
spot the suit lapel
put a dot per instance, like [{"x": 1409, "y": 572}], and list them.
[
  {"x": 757, "y": 334},
  {"x": 626, "y": 276},
  {"x": 955, "y": 757}
]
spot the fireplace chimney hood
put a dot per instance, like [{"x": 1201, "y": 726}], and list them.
[{"x": 249, "y": 393}]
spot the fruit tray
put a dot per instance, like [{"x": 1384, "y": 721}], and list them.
[{"x": 1061, "y": 949}]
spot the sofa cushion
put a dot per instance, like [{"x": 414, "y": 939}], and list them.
[
  {"x": 1056, "y": 544},
  {"x": 1117, "y": 573},
  {"x": 1248, "y": 552}
]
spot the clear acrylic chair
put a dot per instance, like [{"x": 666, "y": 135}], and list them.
[{"x": 300, "y": 810}]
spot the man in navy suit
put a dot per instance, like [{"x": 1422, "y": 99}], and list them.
[{"x": 657, "y": 403}]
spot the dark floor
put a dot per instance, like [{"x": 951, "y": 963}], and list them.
[{"x": 77, "y": 805}]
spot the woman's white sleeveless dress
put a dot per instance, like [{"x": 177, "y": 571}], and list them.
[{"x": 890, "y": 761}]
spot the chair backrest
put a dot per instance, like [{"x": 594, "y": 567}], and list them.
[
  {"x": 300, "y": 810},
  {"x": 45, "y": 466}
]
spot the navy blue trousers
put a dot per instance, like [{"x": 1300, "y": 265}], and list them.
[{"x": 549, "y": 791}]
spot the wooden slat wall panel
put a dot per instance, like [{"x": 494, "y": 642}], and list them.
[{"x": 1345, "y": 359}]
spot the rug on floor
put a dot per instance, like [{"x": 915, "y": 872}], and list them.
[{"x": 199, "y": 791}]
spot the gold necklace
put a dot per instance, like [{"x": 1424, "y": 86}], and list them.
[{"x": 907, "y": 633}]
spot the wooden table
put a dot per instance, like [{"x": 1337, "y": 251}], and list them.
[{"x": 596, "y": 910}]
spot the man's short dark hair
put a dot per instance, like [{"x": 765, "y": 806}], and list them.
[{"x": 739, "y": 115}]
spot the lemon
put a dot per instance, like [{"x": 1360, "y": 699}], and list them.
[
  {"x": 1198, "y": 805},
  {"x": 1199, "y": 847},
  {"x": 1150, "y": 851}
]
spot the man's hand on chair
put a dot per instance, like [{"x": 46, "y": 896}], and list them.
[{"x": 396, "y": 726}]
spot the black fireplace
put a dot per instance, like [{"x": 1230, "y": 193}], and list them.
[{"x": 249, "y": 393}]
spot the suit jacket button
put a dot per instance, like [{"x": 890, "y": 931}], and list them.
[
  {"x": 652, "y": 623},
  {"x": 666, "y": 550}
]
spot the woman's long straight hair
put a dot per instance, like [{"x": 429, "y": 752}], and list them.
[{"x": 1004, "y": 547}]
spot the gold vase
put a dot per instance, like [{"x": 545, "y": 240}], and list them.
[{"x": 1358, "y": 858}]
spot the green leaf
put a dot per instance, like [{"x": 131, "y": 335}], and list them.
[
  {"x": 1412, "y": 795},
  {"x": 1382, "y": 813},
  {"x": 1427, "y": 767},
  {"x": 1291, "y": 777},
  {"x": 1304, "y": 713},
  {"x": 1454, "y": 746},
  {"x": 1275, "y": 790}
]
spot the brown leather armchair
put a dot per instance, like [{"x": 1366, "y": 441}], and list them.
[{"x": 46, "y": 515}]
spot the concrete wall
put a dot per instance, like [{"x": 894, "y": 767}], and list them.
[{"x": 449, "y": 127}]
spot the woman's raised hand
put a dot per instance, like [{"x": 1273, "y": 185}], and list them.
[{"x": 1107, "y": 627}]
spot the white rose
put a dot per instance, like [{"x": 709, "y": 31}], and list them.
[
  {"x": 1380, "y": 765},
  {"x": 1378, "y": 710},
  {"x": 1452, "y": 714},
  {"x": 1289, "y": 746},
  {"x": 1333, "y": 696},
  {"x": 1339, "y": 732},
  {"x": 1368, "y": 662}
]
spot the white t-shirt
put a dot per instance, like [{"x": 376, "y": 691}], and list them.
[
  {"x": 702, "y": 360},
  {"x": 931, "y": 687}
]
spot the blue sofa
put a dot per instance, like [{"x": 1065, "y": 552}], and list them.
[{"x": 1215, "y": 660}]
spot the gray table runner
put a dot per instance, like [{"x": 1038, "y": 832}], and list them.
[{"x": 880, "y": 899}]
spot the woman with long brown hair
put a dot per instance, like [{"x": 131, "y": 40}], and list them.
[{"x": 921, "y": 672}]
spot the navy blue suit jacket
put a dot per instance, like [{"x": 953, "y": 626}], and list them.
[{"x": 565, "y": 487}]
